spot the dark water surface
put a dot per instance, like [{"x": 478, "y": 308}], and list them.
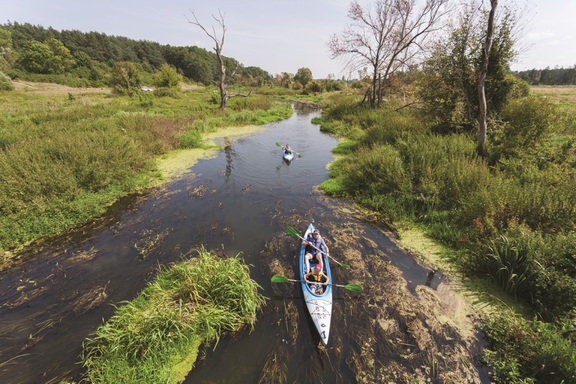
[{"x": 232, "y": 202}]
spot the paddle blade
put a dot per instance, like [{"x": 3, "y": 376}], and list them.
[
  {"x": 279, "y": 279},
  {"x": 353, "y": 287},
  {"x": 300, "y": 155},
  {"x": 292, "y": 231},
  {"x": 278, "y": 144}
]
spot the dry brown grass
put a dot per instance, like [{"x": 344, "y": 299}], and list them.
[{"x": 48, "y": 89}]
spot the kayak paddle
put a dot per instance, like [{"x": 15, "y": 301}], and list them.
[
  {"x": 350, "y": 287},
  {"x": 292, "y": 231}
]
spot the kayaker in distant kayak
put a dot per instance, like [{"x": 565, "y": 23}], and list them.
[
  {"x": 318, "y": 280},
  {"x": 287, "y": 149},
  {"x": 315, "y": 241}
]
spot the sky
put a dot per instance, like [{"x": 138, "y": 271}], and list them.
[{"x": 275, "y": 35}]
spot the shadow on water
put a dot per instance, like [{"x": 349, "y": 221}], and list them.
[{"x": 237, "y": 203}]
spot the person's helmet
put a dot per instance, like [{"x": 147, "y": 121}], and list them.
[{"x": 318, "y": 268}]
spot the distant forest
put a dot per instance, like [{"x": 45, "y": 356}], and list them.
[
  {"x": 90, "y": 56},
  {"x": 547, "y": 76}
]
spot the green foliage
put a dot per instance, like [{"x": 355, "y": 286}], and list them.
[
  {"x": 168, "y": 77},
  {"x": 252, "y": 102},
  {"x": 156, "y": 337},
  {"x": 526, "y": 123},
  {"x": 377, "y": 171},
  {"x": 125, "y": 78},
  {"x": 5, "y": 83},
  {"x": 65, "y": 160},
  {"x": 191, "y": 138},
  {"x": 524, "y": 351},
  {"x": 511, "y": 266},
  {"x": 303, "y": 76},
  {"x": 554, "y": 287},
  {"x": 146, "y": 99},
  {"x": 215, "y": 98},
  {"x": 449, "y": 85},
  {"x": 91, "y": 55},
  {"x": 512, "y": 219},
  {"x": 63, "y": 57},
  {"x": 549, "y": 76},
  {"x": 37, "y": 57}
]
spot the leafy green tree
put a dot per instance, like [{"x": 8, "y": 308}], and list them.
[
  {"x": 303, "y": 76},
  {"x": 5, "y": 48},
  {"x": 168, "y": 77},
  {"x": 125, "y": 78},
  {"x": 5, "y": 83},
  {"x": 62, "y": 56},
  {"x": 253, "y": 76},
  {"x": 5, "y": 39},
  {"x": 448, "y": 86},
  {"x": 37, "y": 57}
]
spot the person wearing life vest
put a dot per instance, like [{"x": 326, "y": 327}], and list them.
[
  {"x": 316, "y": 242},
  {"x": 317, "y": 280},
  {"x": 287, "y": 149}
]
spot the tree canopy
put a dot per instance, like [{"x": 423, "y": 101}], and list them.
[{"x": 48, "y": 51}]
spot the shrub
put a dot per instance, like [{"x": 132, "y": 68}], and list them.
[
  {"x": 5, "y": 83},
  {"x": 524, "y": 351}
]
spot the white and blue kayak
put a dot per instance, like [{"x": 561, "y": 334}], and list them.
[
  {"x": 319, "y": 305},
  {"x": 288, "y": 155}
]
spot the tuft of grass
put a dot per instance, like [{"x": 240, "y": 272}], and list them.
[{"x": 156, "y": 337}]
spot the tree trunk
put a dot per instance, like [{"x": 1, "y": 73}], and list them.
[
  {"x": 222, "y": 84},
  {"x": 483, "y": 128}
]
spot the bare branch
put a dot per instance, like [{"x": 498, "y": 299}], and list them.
[
  {"x": 225, "y": 78},
  {"x": 386, "y": 37}
]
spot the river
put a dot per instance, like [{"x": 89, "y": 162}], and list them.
[{"x": 237, "y": 202}]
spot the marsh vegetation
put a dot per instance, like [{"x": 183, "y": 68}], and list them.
[{"x": 509, "y": 218}]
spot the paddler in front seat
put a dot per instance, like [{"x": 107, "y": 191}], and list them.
[{"x": 317, "y": 280}]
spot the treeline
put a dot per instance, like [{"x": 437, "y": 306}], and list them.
[
  {"x": 547, "y": 76},
  {"x": 88, "y": 57}
]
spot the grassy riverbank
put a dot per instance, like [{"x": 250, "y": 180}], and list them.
[
  {"x": 510, "y": 221},
  {"x": 156, "y": 337},
  {"x": 66, "y": 155}
]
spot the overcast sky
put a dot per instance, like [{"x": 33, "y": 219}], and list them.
[{"x": 275, "y": 35}]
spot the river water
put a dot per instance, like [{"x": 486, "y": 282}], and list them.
[{"x": 237, "y": 203}]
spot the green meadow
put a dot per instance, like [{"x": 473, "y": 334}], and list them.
[{"x": 66, "y": 155}]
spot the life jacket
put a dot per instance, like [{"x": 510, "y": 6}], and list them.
[
  {"x": 316, "y": 277},
  {"x": 316, "y": 243}
]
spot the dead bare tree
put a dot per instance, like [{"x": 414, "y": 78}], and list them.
[
  {"x": 385, "y": 38},
  {"x": 481, "y": 147},
  {"x": 225, "y": 78}
]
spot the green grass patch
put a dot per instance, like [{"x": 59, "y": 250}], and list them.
[{"x": 156, "y": 337}]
